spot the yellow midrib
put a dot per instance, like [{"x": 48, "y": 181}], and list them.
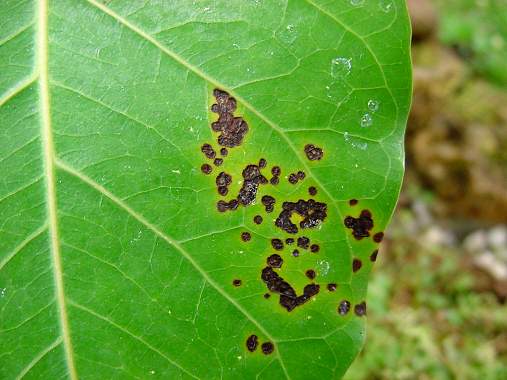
[{"x": 49, "y": 173}]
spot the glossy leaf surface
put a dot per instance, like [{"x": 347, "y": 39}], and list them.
[{"x": 115, "y": 261}]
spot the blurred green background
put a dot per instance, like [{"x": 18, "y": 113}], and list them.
[{"x": 437, "y": 298}]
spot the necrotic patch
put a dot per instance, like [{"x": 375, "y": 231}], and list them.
[
  {"x": 277, "y": 244},
  {"x": 360, "y": 226},
  {"x": 222, "y": 181},
  {"x": 206, "y": 168},
  {"x": 310, "y": 273},
  {"x": 267, "y": 348},
  {"x": 360, "y": 309},
  {"x": 274, "y": 261},
  {"x": 252, "y": 178},
  {"x": 331, "y": 287},
  {"x": 236, "y": 282},
  {"x": 356, "y": 265},
  {"x": 373, "y": 256},
  {"x": 313, "y": 214},
  {"x": 245, "y": 236},
  {"x": 233, "y": 129},
  {"x": 377, "y": 238},
  {"x": 257, "y": 219},
  {"x": 313, "y": 152},
  {"x": 269, "y": 202},
  {"x": 343, "y": 307},
  {"x": 252, "y": 342},
  {"x": 208, "y": 151},
  {"x": 314, "y": 248},
  {"x": 312, "y": 190},
  {"x": 303, "y": 242}
]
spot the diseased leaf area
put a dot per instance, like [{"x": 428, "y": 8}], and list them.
[{"x": 195, "y": 189}]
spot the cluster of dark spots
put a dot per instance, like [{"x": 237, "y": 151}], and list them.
[
  {"x": 295, "y": 177},
  {"x": 360, "y": 309},
  {"x": 295, "y": 253},
  {"x": 277, "y": 244},
  {"x": 313, "y": 152},
  {"x": 269, "y": 203},
  {"x": 267, "y": 348},
  {"x": 267, "y": 295},
  {"x": 288, "y": 297},
  {"x": 275, "y": 171},
  {"x": 218, "y": 161},
  {"x": 208, "y": 151},
  {"x": 331, "y": 287},
  {"x": 206, "y": 168},
  {"x": 236, "y": 282},
  {"x": 274, "y": 261},
  {"x": 245, "y": 236},
  {"x": 313, "y": 214},
  {"x": 252, "y": 342},
  {"x": 377, "y": 238},
  {"x": 303, "y": 242},
  {"x": 224, "y": 152},
  {"x": 373, "y": 256},
  {"x": 289, "y": 241},
  {"x": 257, "y": 219},
  {"x": 314, "y": 248},
  {"x": 233, "y": 129},
  {"x": 252, "y": 178},
  {"x": 310, "y": 273},
  {"x": 353, "y": 202},
  {"x": 223, "y": 206},
  {"x": 360, "y": 226},
  {"x": 262, "y": 163},
  {"x": 312, "y": 190},
  {"x": 223, "y": 181},
  {"x": 343, "y": 307},
  {"x": 356, "y": 265}
]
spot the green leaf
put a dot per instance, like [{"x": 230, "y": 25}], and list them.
[{"x": 115, "y": 261}]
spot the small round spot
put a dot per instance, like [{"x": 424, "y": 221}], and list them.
[
  {"x": 301, "y": 175},
  {"x": 377, "y": 238},
  {"x": 206, "y": 168},
  {"x": 312, "y": 190},
  {"x": 314, "y": 248},
  {"x": 310, "y": 273},
  {"x": 262, "y": 163},
  {"x": 295, "y": 253},
  {"x": 267, "y": 295},
  {"x": 274, "y": 181},
  {"x": 267, "y": 348},
  {"x": 313, "y": 152},
  {"x": 353, "y": 202},
  {"x": 289, "y": 241},
  {"x": 218, "y": 161},
  {"x": 331, "y": 287},
  {"x": 373, "y": 256},
  {"x": 224, "y": 152},
  {"x": 208, "y": 151},
  {"x": 257, "y": 219},
  {"x": 245, "y": 236},
  {"x": 343, "y": 307},
  {"x": 274, "y": 261},
  {"x": 293, "y": 179},
  {"x": 276, "y": 171},
  {"x": 303, "y": 242},
  {"x": 236, "y": 282},
  {"x": 356, "y": 265},
  {"x": 277, "y": 244},
  {"x": 360, "y": 309},
  {"x": 252, "y": 342}
]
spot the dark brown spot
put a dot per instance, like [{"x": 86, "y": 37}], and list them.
[
  {"x": 245, "y": 236},
  {"x": 288, "y": 297},
  {"x": 257, "y": 219},
  {"x": 208, "y": 151},
  {"x": 252, "y": 178},
  {"x": 274, "y": 261},
  {"x": 313, "y": 214},
  {"x": 312, "y": 190},
  {"x": 223, "y": 206},
  {"x": 314, "y": 248},
  {"x": 267, "y": 348},
  {"x": 206, "y": 169},
  {"x": 274, "y": 181},
  {"x": 252, "y": 342},
  {"x": 218, "y": 161},
  {"x": 277, "y": 244},
  {"x": 276, "y": 171},
  {"x": 360, "y": 226},
  {"x": 222, "y": 190},
  {"x": 377, "y": 238},
  {"x": 268, "y": 201},
  {"x": 343, "y": 307},
  {"x": 262, "y": 163},
  {"x": 310, "y": 273},
  {"x": 360, "y": 309},
  {"x": 356, "y": 265},
  {"x": 233, "y": 129},
  {"x": 301, "y": 175},
  {"x": 236, "y": 282},
  {"x": 313, "y": 153},
  {"x": 353, "y": 202},
  {"x": 293, "y": 178},
  {"x": 289, "y": 241},
  {"x": 222, "y": 181},
  {"x": 224, "y": 152},
  {"x": 303, "y": 242},
  {"x": 331, "y": 287},
  {"x": 267, "y": 295},
  {"x": 373, "y": 256},
  {"x": 295, "y": 253}
]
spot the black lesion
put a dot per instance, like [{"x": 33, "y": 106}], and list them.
[
  {"x": 233, "y": 129},
  {"x": 313, "y": 214},
  {"x": 360, "y": 226}
]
